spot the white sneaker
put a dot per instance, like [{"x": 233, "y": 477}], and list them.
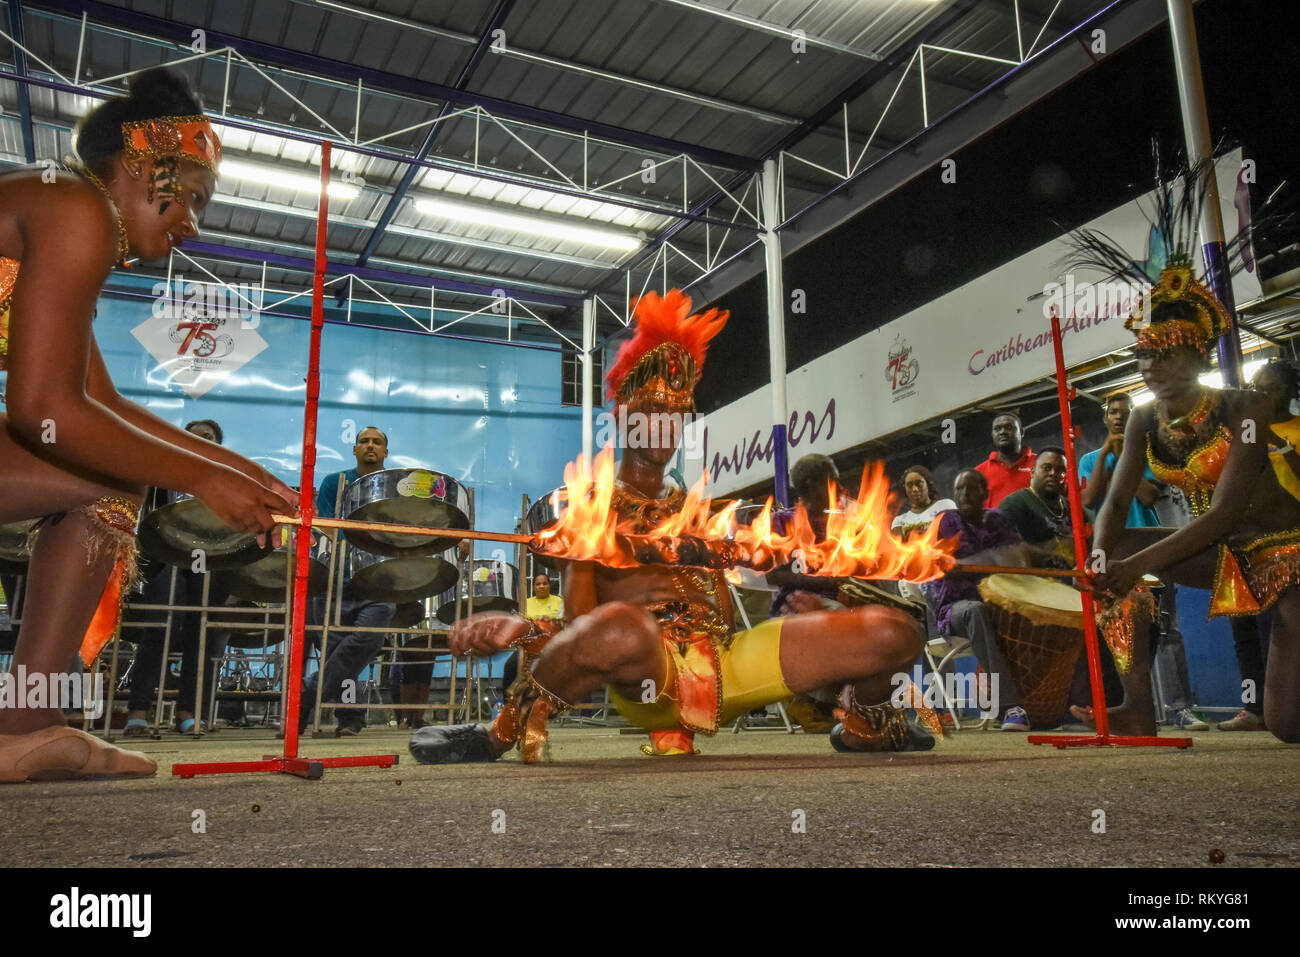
[{"x": 1186, "y": 720}]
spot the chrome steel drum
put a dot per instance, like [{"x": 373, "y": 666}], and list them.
[
  {"x": 409, "y": 614},
  {"x": 173, "y": 525},
  {"x": 403, "y": 578},
  {"x": 544, "y": 513},
  {"x": 14, "y": 552},
  {"x": 496, "y": 585},
  {"x": 263, "y": 580},
  {"x": 406, "y": 497}
]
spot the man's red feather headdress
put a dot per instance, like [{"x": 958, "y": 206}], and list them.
[{"x": 667, "y": 350}]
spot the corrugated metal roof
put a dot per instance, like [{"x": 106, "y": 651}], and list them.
[{"x": 725, "y": 75}]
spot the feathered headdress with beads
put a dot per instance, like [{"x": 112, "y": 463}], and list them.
[
  {"x": 1180, "y": 309},
  {"x": 665, "y": 356}
]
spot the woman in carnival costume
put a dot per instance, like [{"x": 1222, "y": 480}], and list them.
[{"x": 73, "y": 452}]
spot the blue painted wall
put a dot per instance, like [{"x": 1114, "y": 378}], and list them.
[{"x": 488, "y": 415}]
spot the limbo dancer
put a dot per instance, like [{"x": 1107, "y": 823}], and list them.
[
  {"x": 1244, "y": 541},
  {"x": 73, "y": 451},
  {"x": 662, "y": 638}
]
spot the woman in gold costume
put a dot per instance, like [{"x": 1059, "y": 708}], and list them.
[
  {"x": 73, "y": 452},
  {"x": 1244, "y": 541}
]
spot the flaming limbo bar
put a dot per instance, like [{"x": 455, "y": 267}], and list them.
[{"x": 687, "y": 550}]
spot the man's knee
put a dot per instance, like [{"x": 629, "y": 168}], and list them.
[
  {"x": 894, "y": 634},
  {"x": 613, "y": 637}
]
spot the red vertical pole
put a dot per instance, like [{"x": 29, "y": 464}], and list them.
[
  {"x": 1064, "y": 394},
  {"x": 306, "y": 487},
  {"x": 290, "y": 763}
]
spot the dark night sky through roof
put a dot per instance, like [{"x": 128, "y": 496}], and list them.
[{"x": 1070, "y": 158}]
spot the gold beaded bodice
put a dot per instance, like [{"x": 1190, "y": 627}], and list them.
[
  {"x": 1190, "y": 452},
  {"x": 689, "y": 614}
]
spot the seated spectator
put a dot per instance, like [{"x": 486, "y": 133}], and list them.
[
  {"x": 923, "y": 502},
  {"x": 985, "y": 536},
  {"x": 1041, "y": 513},
  {"x": 1007, "y": 468},
  {"x": 542, "y": 604},
  {"x": 923, "y": 506}
]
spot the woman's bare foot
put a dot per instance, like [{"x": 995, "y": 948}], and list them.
[
  {"x": 1123, "y": 721},
  {"x": 59, "y": 753}
]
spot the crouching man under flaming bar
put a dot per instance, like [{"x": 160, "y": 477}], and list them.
[{"x": 663, "y": 638}]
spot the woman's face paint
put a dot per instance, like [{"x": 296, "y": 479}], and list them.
[{"x": 166, "y": 183}]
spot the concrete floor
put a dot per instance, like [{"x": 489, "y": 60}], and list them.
[{"x": 981, "y": 798}]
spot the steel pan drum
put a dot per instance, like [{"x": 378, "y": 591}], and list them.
[
  {"x": 263, "y": 580},
  {"x": 405, "y": 497},
  {"x": 409, "y": 614},
  {"x": 173, "y": 524},
  {"x": 401, "y": 579},
  {"x": 496, "y": 584},
  {"x": 14, "y": 553},
  {"x": 544, "y": 513}
]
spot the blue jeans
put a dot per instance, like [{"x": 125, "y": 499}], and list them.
[{"x": 348, "y": 654}]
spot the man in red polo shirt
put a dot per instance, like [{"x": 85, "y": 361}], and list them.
[{"x": 1008, "y": 467}]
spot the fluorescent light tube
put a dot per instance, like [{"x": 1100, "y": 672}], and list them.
[{"x": 552, "y": 228}]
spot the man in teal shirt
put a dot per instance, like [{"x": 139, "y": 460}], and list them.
[{"x": 352, "y": 652}]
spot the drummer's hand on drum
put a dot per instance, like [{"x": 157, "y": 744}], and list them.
[
  {"x": 487, "y": 633},
  {"x": 1118, "y": 579},
  {"x": 241, "y": 502}
]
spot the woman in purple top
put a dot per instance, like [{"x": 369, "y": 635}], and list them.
[{"x": 985, "y": 536}]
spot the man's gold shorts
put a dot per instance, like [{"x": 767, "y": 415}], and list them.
[{"x": 750, "y": 672}]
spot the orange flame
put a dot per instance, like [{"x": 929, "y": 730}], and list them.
[{"x": 857, "y": 544}]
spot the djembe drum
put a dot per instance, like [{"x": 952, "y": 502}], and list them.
[{"x": 1039, "y": 625}]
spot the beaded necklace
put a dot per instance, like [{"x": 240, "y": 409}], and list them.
[{"x": 123, "y": 247}]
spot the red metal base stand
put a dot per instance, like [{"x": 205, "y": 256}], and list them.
[
  {"x": 1102, "y": 737},
  {"x": 290, "y": 762}
]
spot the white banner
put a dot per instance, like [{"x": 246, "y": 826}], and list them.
[{"x": 984, "y": 338}]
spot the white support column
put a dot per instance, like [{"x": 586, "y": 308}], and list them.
[
  {"x": 588, "y": 345},
  {"x": 775, "y": 324},
  {"x": 1196, "y": 131}
]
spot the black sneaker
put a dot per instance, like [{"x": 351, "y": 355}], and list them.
[
  {"x": 919, "y": 739},
  {"x": 347, "y": 730},
  {"x": 457, "y": 744}
]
